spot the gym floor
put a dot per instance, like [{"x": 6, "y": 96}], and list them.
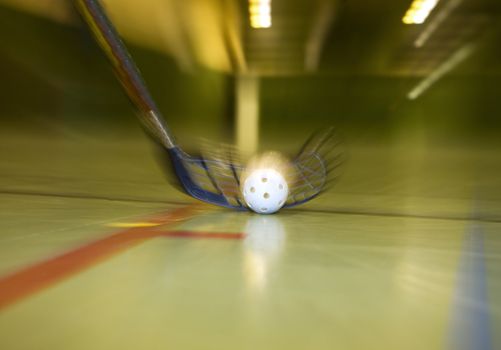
[{"x": 99, "y": 251}]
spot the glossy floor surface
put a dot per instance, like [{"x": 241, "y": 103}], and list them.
[{"x": 97, "y": 251}]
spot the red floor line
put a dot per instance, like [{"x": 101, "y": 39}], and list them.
[
  {"x": 44, "y": 274},
  {"x": 204, "y": 235}
]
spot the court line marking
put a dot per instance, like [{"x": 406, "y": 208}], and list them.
[
  {"x": 132, "y": 224},
  {"x": 88, "y": 197},
  {"x": 39, "y": 276},
  {"x": 390, "y": 214},
  {"x": 494, "y": 219},
  {"x": 470, "y": 325}
]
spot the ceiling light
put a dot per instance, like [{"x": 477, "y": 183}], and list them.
[
  {"x": 260, "y": 13},
  {"x": 419, "y": 11}
]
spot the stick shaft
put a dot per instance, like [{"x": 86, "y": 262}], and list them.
[{"x": 125, "y": 69}]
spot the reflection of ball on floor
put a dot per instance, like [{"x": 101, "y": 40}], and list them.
[
  {"x": 264, "y": 235},
  {"x": 265, "y": 190}
]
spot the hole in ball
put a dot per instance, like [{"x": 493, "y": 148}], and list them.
[
  {"x": 266, "y": 195},
  {"x": 264, "y": 179},
  {"x": 253, "y": 189},
  {"x": 264, "y": 209},
  {"x": 281, "y": 186}
]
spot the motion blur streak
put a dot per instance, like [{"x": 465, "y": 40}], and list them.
[
  {"x": 436, "y": 22},
  {"x": 455, "y": 59},
  {"x": 321, "y": 25}
]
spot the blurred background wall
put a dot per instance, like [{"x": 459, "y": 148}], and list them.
[
  {"x": 53, "y": 73},
  {"x": 353, "y": 64}
]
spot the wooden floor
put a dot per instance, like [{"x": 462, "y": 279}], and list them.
[{"x": 97, "y": 251}]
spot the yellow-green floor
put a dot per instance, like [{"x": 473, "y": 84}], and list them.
[{"x": 404, "y": 253}]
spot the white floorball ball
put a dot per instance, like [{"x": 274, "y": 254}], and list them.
[{"x": 265, "y": 190}]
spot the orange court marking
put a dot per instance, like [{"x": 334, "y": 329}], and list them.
[{"x": 39, "y": 276}]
